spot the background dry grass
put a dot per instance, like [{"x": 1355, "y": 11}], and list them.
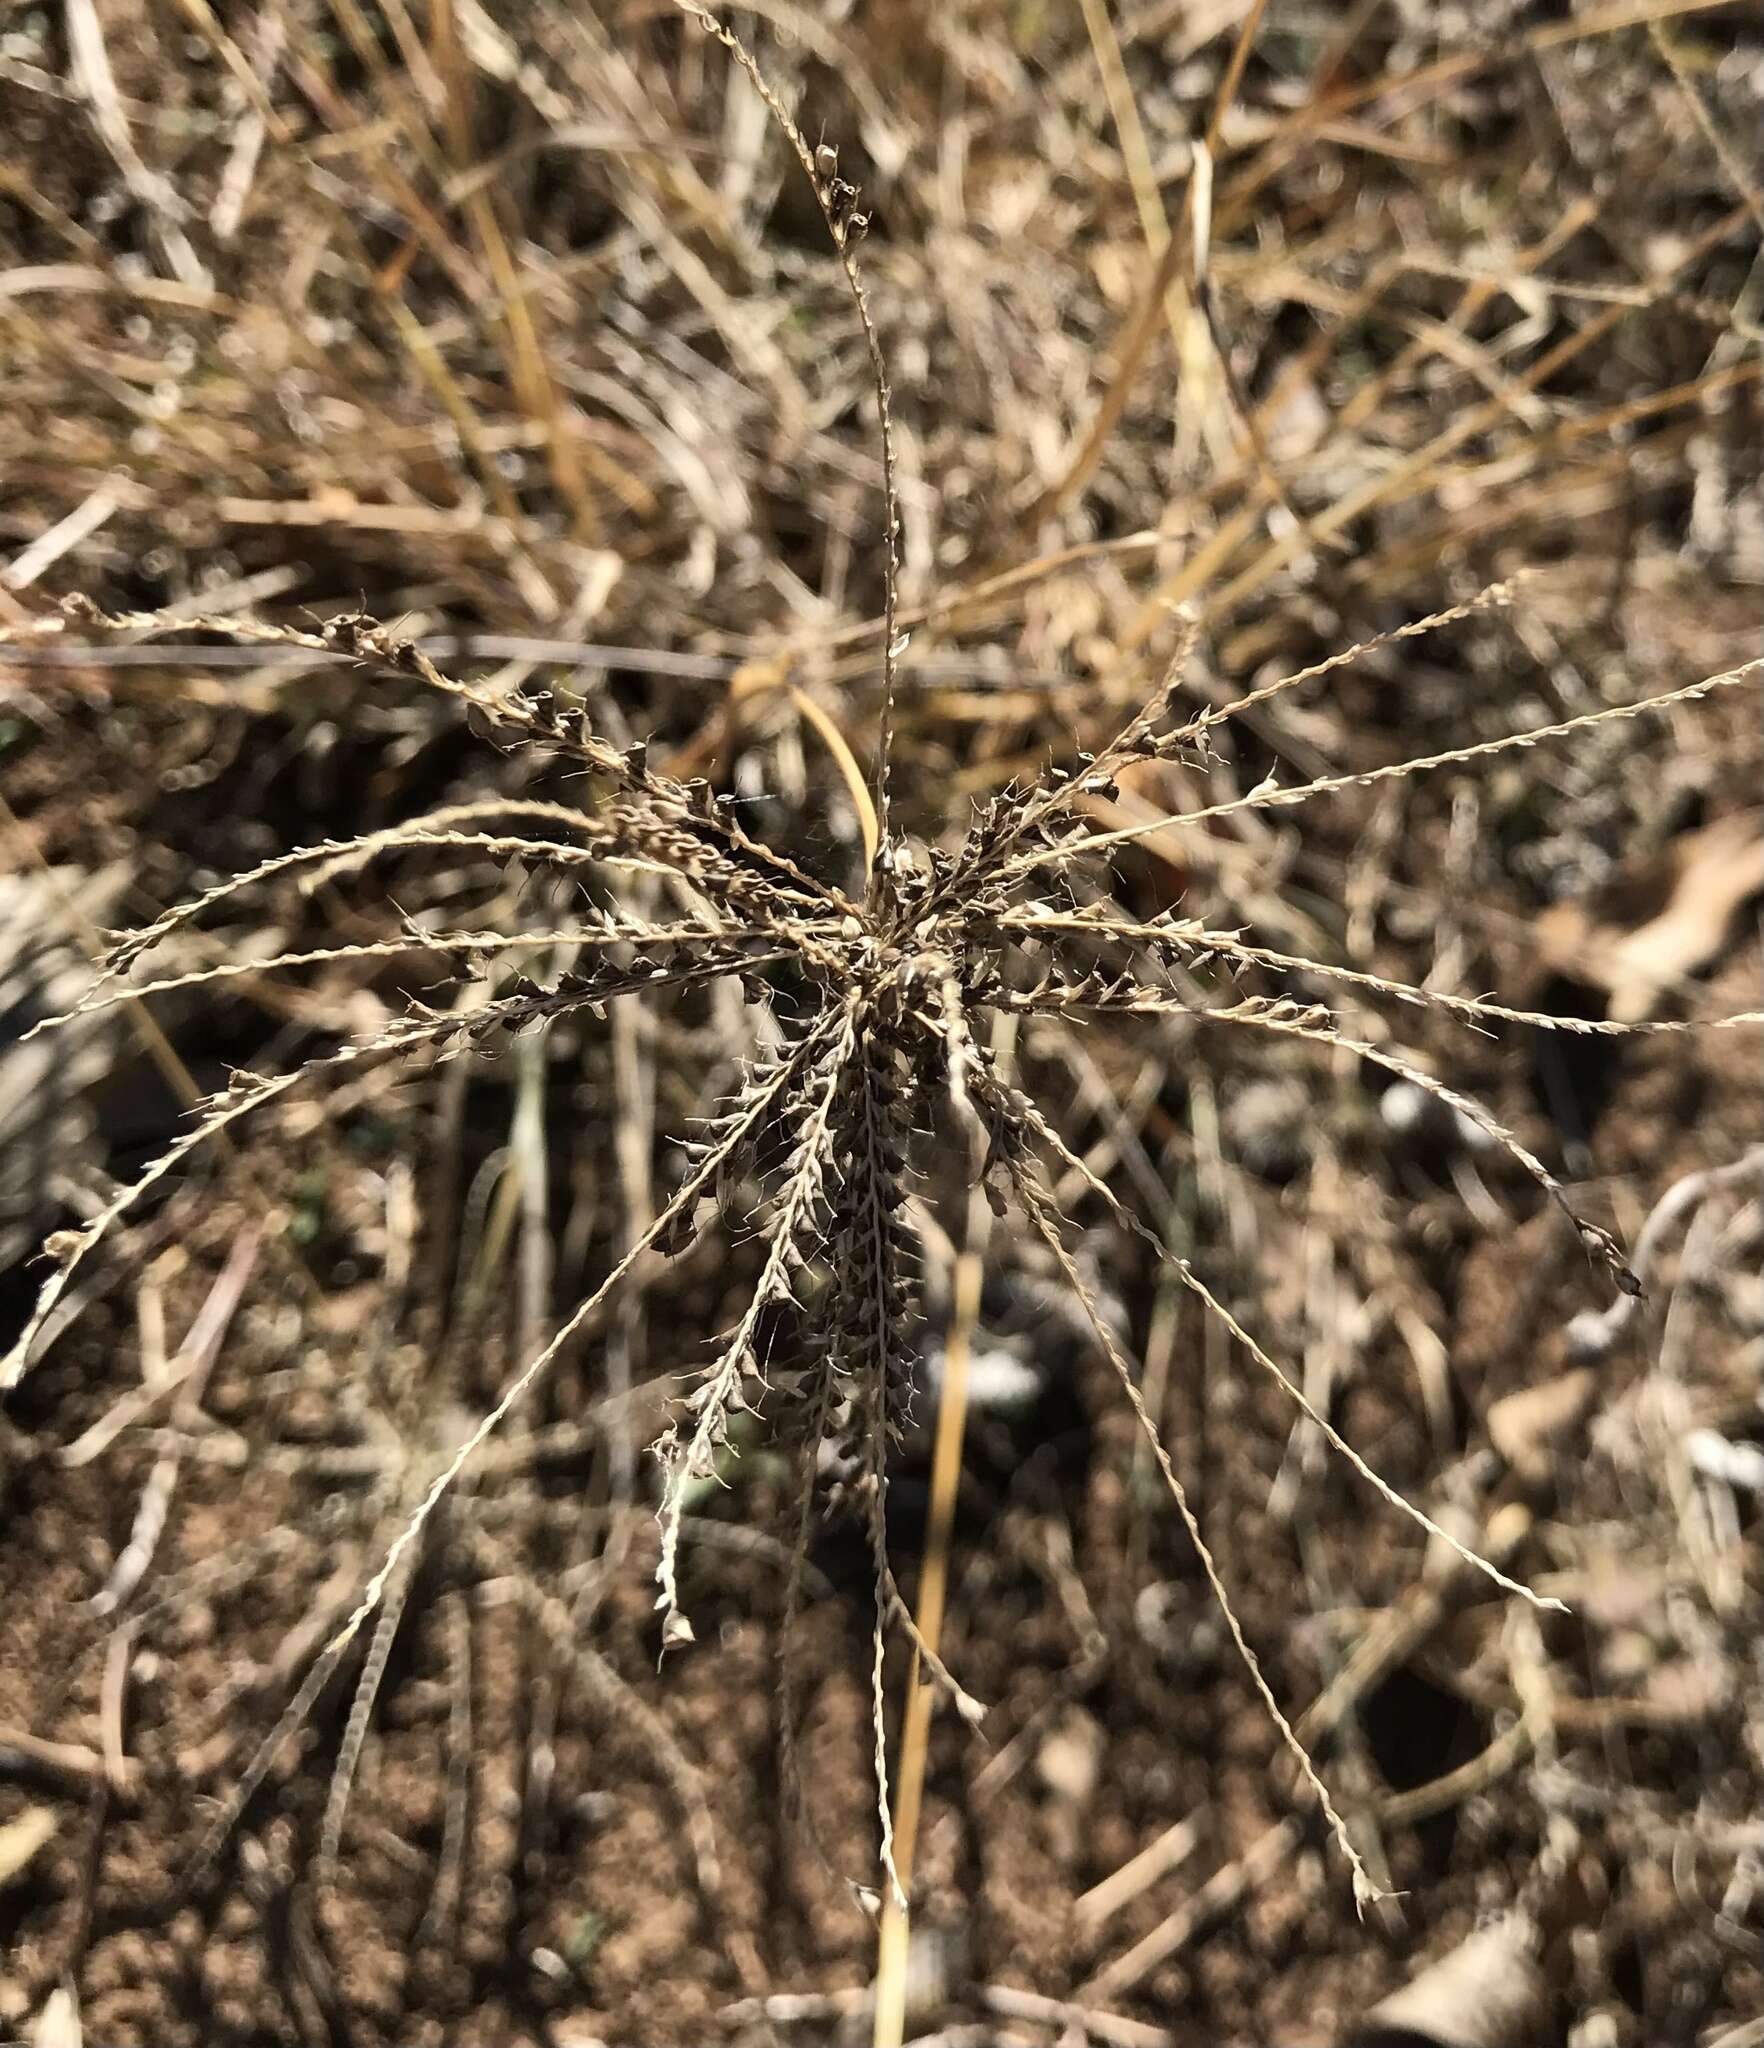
[{"x": 517, "y": 325}]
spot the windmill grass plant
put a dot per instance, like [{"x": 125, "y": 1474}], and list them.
[{"x": 892, "y": 994}]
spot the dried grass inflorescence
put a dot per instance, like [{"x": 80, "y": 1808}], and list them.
[{"x": 889, "y": 993}]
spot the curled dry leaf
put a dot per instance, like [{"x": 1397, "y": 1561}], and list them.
[
  {"x": 1069, "y": 1764},
  {"x": 1688, "y": 1690},
  {"x": 1658, "y": 921},
  {"x": 1488, "y": 1992},
  {"x": 1526, "y": 1427},
  {"x": 58, "y": 2024}
]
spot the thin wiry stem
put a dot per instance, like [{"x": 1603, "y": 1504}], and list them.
[
  {"x": 1139, "y": 737},
  {"x": 1135, "y": 738},
  {"x": 845, "y": 227},
  {"x": 972, "y": 1711},
  {"x": 1318, "y": 1025},
  {"x": 467, "y": 944},
  {"x": 361, "y": 1713},
  {"x": 748, "y": 1115},
  {"x": 879, "y": 1748},
  {"x": 436, "y": 828},
  {"x": 1017, "y": 1114},
  {"x": 1038, "y": 1205},
  {"x": 1197, "y": 728},
  {"x": 1273, "y": 797},
  {"x": 247, "y": 1093},
  {"x": 1025, "y": 1123},
  {"x": 1140, "y": 734},
  {"x": 673, "y": 815},
  {"x": 1215, "y": 1307},
  {"x": 1189, "y": 936},
  {"x": 621, "y": 1703},
  {"x": 293, "y": 1717}
]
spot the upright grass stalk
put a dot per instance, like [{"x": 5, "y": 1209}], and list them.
[{"x": 915, "y": 1730}]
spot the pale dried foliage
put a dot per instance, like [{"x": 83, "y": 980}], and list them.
[{"x": 881, "y": 997}]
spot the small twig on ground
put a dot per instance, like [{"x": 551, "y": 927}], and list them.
[
  {"x": 1156, "y": 1860},
  {"x": 1218, "y": 1895},
  {"x": 68, "y": 1765},
  {"x": 1106, "y": 2027}
]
